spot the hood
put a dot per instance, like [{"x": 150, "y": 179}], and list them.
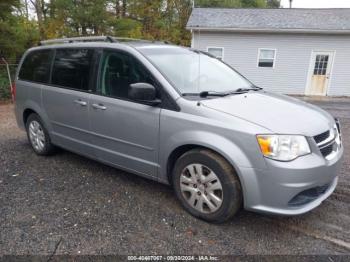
[{"x": 278, "y": 113}]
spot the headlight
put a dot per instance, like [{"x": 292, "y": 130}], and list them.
[{"x": 283, "y": 147}]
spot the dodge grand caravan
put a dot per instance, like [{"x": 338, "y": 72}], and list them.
[{"x": 182, "y": 117}]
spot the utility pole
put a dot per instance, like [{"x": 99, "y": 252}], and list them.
[{"x": 290, "y": 3}]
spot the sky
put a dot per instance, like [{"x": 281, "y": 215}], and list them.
[{"x": 317, "y": 3}]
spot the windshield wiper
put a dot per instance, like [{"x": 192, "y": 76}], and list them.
[
  {"x": 221, "y": 94},
  {"x": 208, "y": 93},
  {"x": 255, "y": 88},
  {"x": 214, "y": 93}
]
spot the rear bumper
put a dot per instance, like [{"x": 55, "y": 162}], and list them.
[{"x": 290, "y": 188}]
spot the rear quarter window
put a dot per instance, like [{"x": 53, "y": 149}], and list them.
[{"x": 36, "y": 66}]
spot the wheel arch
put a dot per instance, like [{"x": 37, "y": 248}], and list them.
[
  {"x": 33, "y": 107},
  {"x": 26, "y": 113},
  {"x": 174, "y": 156},
  {"x": 180, "y": 150}
]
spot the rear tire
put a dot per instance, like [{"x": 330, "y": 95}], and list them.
[
  {"x": 207, "y": 186},
  {"x": 38, "y": 136}
]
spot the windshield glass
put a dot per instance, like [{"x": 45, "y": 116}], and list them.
[{"x": 194, "y": 72}]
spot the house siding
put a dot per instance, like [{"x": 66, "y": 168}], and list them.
[{"x": 290, "y": 73}]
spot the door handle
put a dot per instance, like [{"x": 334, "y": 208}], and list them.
[
  {"x": 99, "y": 106},
  {"x": 80, "y": 102}
]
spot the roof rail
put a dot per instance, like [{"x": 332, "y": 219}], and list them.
[
  {"x": 110, "y": 39},
  {"x": 117, "y": 39},
  {"x": 78, "y": 39},
  {"x": 129, "y": 39}
]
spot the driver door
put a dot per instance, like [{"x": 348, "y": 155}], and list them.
[{"x": 125, "y": 132}]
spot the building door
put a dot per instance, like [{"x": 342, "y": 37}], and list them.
[{"x": 319, "y": 73}]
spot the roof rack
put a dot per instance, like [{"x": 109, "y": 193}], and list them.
[
  {"x": 78, "y": 39},
  {"x": 93, "y": 39}
]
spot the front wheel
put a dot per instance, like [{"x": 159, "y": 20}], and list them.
[{"x": 207, "y": 186}]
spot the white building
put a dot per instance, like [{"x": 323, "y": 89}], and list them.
[{"x": 291, "y": 51}]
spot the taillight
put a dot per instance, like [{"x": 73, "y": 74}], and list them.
[{"x": 13, "y": 91}]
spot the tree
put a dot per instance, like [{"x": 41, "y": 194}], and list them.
[
  {"x": 218, "y": 3},
  {"x": 238, "y": 3},
  {"x": 150, "y": 19},
  {"x": 40, "y": 10},
  {"x": 274, "y": 3},
  {"x": 77, "y": 17},
  {"x": 253, "y": 3},
  {"x": 16, "y": 32}
]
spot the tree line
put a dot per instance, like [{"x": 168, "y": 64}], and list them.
[{"x": 23, "y": 23}]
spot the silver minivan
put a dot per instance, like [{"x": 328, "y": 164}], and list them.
[{"x": 182, "y": 117}]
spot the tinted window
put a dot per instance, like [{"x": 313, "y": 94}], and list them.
[
  {"x": 36, "y": 66},
  {"x": 119, "y": 70},
  {"x": 72, "y": 68}
]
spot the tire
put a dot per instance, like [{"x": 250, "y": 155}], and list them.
[
  {"x": 202, "y": 164},
  {"x": 38, "y": 136}
]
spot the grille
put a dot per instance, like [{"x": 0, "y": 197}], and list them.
[
  {"x": 321, "y": 137},
  {"x": 308, "y": 195},
  {"x": 326, "y": 151},
  {"x": 325, "y": 142}
]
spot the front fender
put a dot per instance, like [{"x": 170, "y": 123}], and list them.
[{"x": 223, "y": 146}]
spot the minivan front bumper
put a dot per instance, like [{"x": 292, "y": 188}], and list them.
[{"x": 290, "y": 188}]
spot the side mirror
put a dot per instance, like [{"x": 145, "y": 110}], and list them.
[{"x": 144, "y": 93}]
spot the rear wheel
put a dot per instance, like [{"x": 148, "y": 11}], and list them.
[
  {"x": 38, "y": 136},
  {"x": 207, "y": 186}
]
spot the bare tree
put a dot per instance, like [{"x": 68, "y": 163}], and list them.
[
  {"x": 124, "y": 8},
  {"x": 39, "y": 6}
]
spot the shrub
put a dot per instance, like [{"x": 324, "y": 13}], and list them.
[{"x": 5, "y": 92}]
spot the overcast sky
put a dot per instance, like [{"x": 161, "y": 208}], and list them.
[{"x": 317, "y": 3}]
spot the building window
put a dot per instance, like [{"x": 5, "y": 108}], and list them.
[
  {"x": 218, "y": 52},
  {"x": 266, "y": 58}
]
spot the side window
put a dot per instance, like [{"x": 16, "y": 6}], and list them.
[
  {"x": 71, "y": 68},
  {"x": 118, "y": 71},
  {"x": 36, "y": 66}
]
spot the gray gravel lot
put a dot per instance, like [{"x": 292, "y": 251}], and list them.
[{"x": 84, "y": 207}]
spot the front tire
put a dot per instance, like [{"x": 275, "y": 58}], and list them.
[
  {"x": 38, "y": 136},
  {"x": 207, "y": 186}
]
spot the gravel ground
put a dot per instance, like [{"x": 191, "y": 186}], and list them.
[{"x": 83, "y": 207}]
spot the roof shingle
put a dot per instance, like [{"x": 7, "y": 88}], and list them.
[{"x": 271, "y": 19}]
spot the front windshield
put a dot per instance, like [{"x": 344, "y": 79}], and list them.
[{"x": 192, "y": 72}]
